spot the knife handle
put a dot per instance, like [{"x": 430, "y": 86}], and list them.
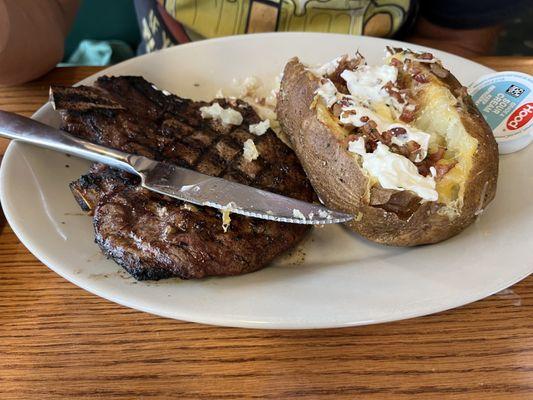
[{"x": 18, "y": 127}]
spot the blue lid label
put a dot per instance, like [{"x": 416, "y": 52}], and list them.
[
  {"x": 505, "y": 99},
  {"x": 497, "y": 100}
]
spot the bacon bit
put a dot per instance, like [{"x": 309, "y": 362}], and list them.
[
  {"x": 393, "y": 92},
  {"x": 430, "y": 161},
  {"x": 350, "y": 112},
  {"x": 348, "y": 139},
  {"x": 423, "y": 168},
  {"x": 349, "y": 127},
  {"x": 345, "y": 63},
  {"x": 425, "y": 56},
  {"x": 390, "y": 86},
  {"x": 371, "y": 135},
  {"x": 372, "y": 125},
  {"x": 370, "y": 146},
  {"x": 398, "y": 149},
  {"x": 364, "y": 118},
  {"x": 367, "y": 129},
  {"x": 386, "y": 138},
  {"x": 390, "y": 50},
  {"x": 355, "y": 63},
  {"x": 417, "y": 74},
  {"x": 420, "y": 77},
  {"x": 348, "y": 63},
  {"x": 433, "y": 160},
  {"x": 396, "y": 63},
  {"x": 345, "y": 102},
  {"x": 398, "y": 131},
  {"x": 413, "y": 148},
  {"x": 442, "y": 169},
  {"x": 345, "y": 113},
  {"x": 337, "y": 110},
  {"x": 409, "y": 150},
  {"x": 437, "y": 156},
  {"x": 407, "y": 115}
]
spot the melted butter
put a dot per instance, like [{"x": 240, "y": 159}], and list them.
[{"x": 226, "y": 219}]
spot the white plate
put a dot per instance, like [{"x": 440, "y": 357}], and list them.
[{"x": 342, "y": 280}]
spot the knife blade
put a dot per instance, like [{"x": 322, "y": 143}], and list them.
[
  {"x": 174, "y": 181},
  {"x": 205, "y": 190}
]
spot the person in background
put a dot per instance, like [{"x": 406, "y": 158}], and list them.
[
  {"x": 32, "y": 37},
  {"x": 467, "y": 28},
  {"x": 32, "y": 33}
]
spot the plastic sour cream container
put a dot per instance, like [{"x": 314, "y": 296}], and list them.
[{"x": 505, "y": 99}]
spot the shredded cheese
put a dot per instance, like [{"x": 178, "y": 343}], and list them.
[
  {"x": 260, "y": 128},
  {"x": 228, "y": 116}
]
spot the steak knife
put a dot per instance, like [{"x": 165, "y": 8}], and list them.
[{"x": 171, "y": 180}]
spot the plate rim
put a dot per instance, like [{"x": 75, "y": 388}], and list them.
[{"x": 212, "y": 319}]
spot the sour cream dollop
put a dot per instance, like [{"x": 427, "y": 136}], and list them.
[
  {"x": 328, "y": 92},
  {"x": 394, "y": 171},
  {"x": 366, "y": 82}
]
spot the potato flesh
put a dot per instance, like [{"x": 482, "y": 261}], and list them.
[
  {"x": 438, "y": 115},
  {"x": 328, "y": 119}
]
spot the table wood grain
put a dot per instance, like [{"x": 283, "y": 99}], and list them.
[{"x": 60, "y": 342}]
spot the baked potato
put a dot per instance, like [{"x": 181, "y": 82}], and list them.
[{"x": 399, "y": 146}]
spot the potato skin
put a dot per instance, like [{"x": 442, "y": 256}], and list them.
[{"x": 341, "y": 185}]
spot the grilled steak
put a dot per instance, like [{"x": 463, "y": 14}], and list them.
[{"x": 154, "y": 236}]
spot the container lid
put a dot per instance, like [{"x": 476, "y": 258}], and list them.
[{"x": 505, "y": 99}]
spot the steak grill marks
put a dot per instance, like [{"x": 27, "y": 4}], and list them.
[
  {"x": 139, "y": 119},
  {"x": 153, "y": 236}
]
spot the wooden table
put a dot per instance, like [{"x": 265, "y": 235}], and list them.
[{"x": 58, "y": 341}]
